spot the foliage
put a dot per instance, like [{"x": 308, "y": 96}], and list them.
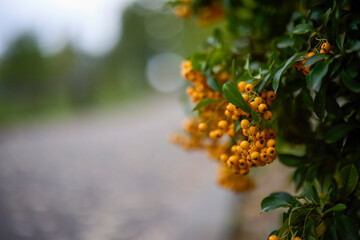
[{"x": 317, "y": 107}]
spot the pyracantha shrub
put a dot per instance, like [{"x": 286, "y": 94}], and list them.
[{"x": 280, "y": 80}]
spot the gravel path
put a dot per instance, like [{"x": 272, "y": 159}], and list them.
[
  {"x": 109, "y": 175},
  {"x": 113, "y": 175}
]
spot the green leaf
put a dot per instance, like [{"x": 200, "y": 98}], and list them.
[
  {"x": 237, "y": 126},
  {"x": 255, "y": 116},
  {"x": 197, "y": 61},
  {"x": 233, "y": 71},
  {"x": 290, "y": 160},
  {"x": 286, "y": 197},
  {"x": 338, "y": 132},
  {"x": 310, "y": 230},
  {"x": 247, "y": 65},
  {"x": 280, "y": 71},
  {"x": 205, "y": 102},
  {"x": 348, "y": 228},
  {"x": 320, "y": 102},
  {"x": 324, "y": 199},
  {"x": 327, "y": 14},
  {"x": 233, "y": 95},
  {"x": 349, "y": 82},
  {"x": 212, "y": 82},
  {"x": 348, "y": 180},
  {"x": 303, "y": 28},
  {"x": 311, "y": 193},
  {"x": 317, "y": 73},
  {"x": 285, "y": 42},
  {"x": 315, "y": 59},
  {"x": 337, "y": 208},
  {"x": 264, "y": 81},
  {"x": 272, "y": 202}
]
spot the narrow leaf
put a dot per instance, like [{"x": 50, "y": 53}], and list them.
[
  {"x": 349, "y": 82},
  {"x": 280, "y": 71},
  {"x": 237, "y": 126},
  {"x": 233, "y": 71},
  {"x": 339, "y": 131},
  {"x": 233, "y": 95},
  {"x": 255, "y": 116},
  {"x": 337, "y": 208},
  {"x": 315, "y": 59},
  {"x": 212, "y": 82},
  {"x": 348, "y": 180},
  {"x": 319, "y": 103},
  {"x": 247, "y": 65},
  {"x": 291, "y": 160},
  {"x": 317, "y": 73},
  {"x": 205, "y": 102},
  {"x": 303, "y": 28},
  {"x": 264, "y": 81}
]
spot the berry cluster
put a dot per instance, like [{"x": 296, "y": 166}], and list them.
[
  {"x": 235, "y": 182},
  {"x": 199, "y": 89},
  {"x": 325, "y": 48},
  {"x": 226, "y": 132},
  {"x": 274, "y": 237},
  {"x": 205, "y": 15},
  {"x": 256, "y": 144}
]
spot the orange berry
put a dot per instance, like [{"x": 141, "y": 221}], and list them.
[
  {"x": 231, "y": 132},
  {"x": 249, "y": 88},
  {"x": 233, "y": 148},
  {"x": 272, "y": 133},
  {"x": 238, "y": 111},
  {"x": 203, "y": 127},
  {"x": 263, "y": 157},
  {"x": 322, "y": 51},
  {"x": 263, "y": 94},
  {"x": 245, "y": 132},
  {"x": 261, "y": 135},
  {"x": 244, "y": 123},
  {"x": 258, "y": 100},
  {"x": 223, "y": 125},
  {"x": 252, "y": 130},
  {"x": 254, "y": 106},
  {"x": 271, "y": 95},
  {"x": 326, "y": 47},
  {"x": 183, "y": 11},
  {"x": 245, "y": 145},
  {"x": 215, "y": 134},
  {"x": 246, "y": 97},
  {"x": 224, "y": 157},
  {"x": 228, "y": 113},
  {"x": 273, "y": 237},
  {"x": 235, "y": 117},
  {"x": 271, "y": 143},
  {"x": 241, "y": 86},
  {"x": 244, "y": 171},
  {"x": 260, "y": 144},
  {"x": 262, "y": 108},
  {"x": 267, "y": 115},
  {"x": 271, "y": 152},
  {"x": 297, "y": 238},
  {"x": 310, "y": 54},
  {"x": 232, "y": 160},
  {"x": 242, "y": 163},
  {"x": 230, "y": 107},
  {"x": 255, "y": 156}
]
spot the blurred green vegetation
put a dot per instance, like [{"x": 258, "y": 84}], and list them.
[{"x": 34, "y": 84}]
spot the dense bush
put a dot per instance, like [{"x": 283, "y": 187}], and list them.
[{"x": 307, "y": 53}]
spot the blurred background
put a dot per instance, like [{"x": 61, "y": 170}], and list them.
[{"x": 89, "y": 92}]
